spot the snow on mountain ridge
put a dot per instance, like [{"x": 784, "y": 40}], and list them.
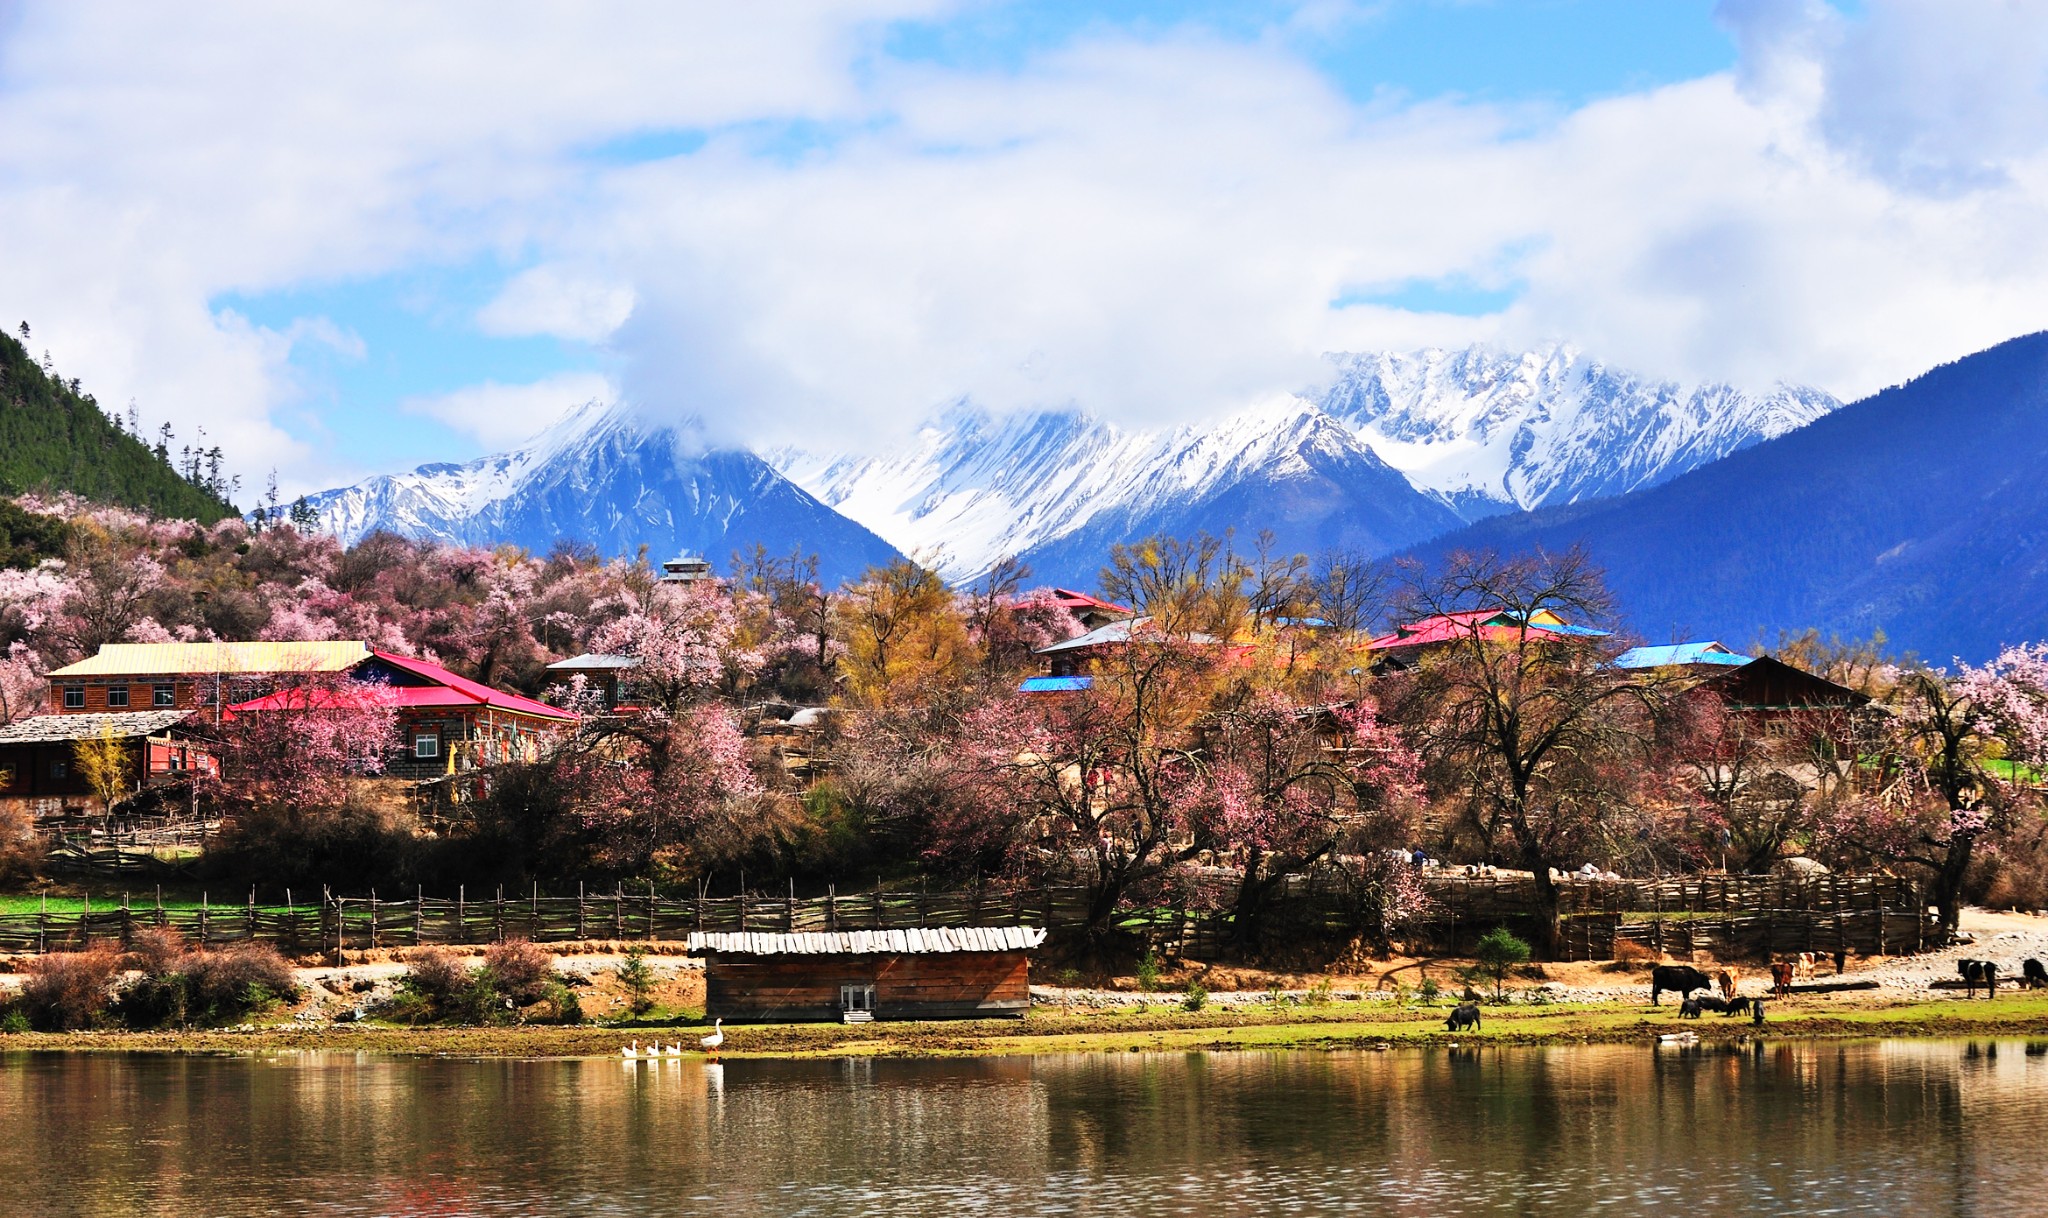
[{"x": 1481, "y": 430}]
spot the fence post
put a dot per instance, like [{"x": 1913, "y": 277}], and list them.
[
  {"x": 832, "y": 907},
  {"x": 650, "y": 911},
  {"x": 533, "y": 915},
  {"x": 789, "y": 910},
  {"x": 373, "y": 919},
  {"x": 461, "y": 911},
  {"x": 203, "y": 919},
  {"x": 579, "y": 909},
  {"x": 252, "y": 913},
  {"x": 618, "y": 909},
  {"x": 127, "y": 930},
  {"x": 498, "y": 917}
]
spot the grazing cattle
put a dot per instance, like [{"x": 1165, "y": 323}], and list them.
[
  {"x": 1756, "y": 1013},
  {"x": 1740, "y": 1006},
  {"x": 1680, "y": 979},
  {"x": 1802, "y": 966},
  {"x": 1689, "y": 1009},
  {"x": 1464, "y": 1016},
  {"x": 1725, "y": 982},
  {"x": 2032, "y": 974},
  {"x": 1707, "y": 1002},
  {"x": 1781, "y": 978},
  {"x": 1979, "y": 972}
]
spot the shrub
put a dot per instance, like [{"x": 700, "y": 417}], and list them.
[
  {"x": 21, "y": 852},
  {"x": 69, "y": 990},
  {"x": 1148, "y": 971},
  {"x": 1499, "y": 952},
  {"x": 439, "y": 985},
  {"x": 1197, "y": 997},
  {"x": 520, "y": 970},
  {"x": 1319, "y": 993},
  {"x": 638, "y": 979},
  {"x": 13, "y": 1021},
  {"x": 1428, "y": 991},
  {"x": 179, "y": 987},
  {"x": 235, "y": 982}
]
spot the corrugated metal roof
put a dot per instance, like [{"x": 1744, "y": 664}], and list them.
[
  {"x": 1118, "y": 632},
  {"x": 589, "y": 661},
  {"x": 1056, "y": 685},
  {"x": 930, "y": 940},
  {"x": 464, "y": 690},
  {"x": 63, "y": 729},
  {"x": 1672, "y": 654},
  {"x": 180, "y": 659}
]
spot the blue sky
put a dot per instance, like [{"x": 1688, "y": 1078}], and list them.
[
  {"x": 417, "y": 327},
  {"x": 353, "y": 239}
]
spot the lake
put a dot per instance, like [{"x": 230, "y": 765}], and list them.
[{"x": 1798, "y": 1128}]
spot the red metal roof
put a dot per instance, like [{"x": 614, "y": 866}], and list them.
[
  {"x": 1081, "y": 600},
  {"x": 461, "y": 691},
  {"x": 1451, "y": 627},
  {"x": 447, "y": 690}
]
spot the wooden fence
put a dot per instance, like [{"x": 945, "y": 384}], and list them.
[{"x": 1732, "y": 916}]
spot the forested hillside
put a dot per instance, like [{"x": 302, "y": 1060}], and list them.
[{"x": 55, "y": 437}]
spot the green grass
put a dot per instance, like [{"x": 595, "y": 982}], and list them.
[{"x": 68, "y": 903}]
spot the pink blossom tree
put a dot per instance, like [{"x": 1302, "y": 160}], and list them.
[
  {"x": 1282, "y": 787},
  {"x": 298, "y": 747}
]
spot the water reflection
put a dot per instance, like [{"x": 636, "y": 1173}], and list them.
[{"x": 1890, "y": 1128}]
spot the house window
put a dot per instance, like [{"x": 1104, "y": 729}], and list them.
[
  {"x": 74, "y": 697},
  {"x": 164, "y": 696},
  {"x": 857, "y": 998},
  {"x": 117, "y": 697},
  {"x": 425, "y": 746}
]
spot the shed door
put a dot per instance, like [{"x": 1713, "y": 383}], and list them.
[{"x": 858, "y": 996}]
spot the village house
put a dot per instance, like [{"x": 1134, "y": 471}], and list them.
[
  {"x": 38, "y": 756},
  {"x": 447, "y": 722},
  {"x": 1091, "y": 612},
  {"x": 189, "y": 676},
  {"x": 926, "y": 973},
  {"x": 607, "y": 676},
  {"x": 1406, "y": 646},
  {"x": 1070, "y": 657}
]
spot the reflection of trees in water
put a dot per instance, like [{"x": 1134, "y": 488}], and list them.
[{"x": 1913, "y": 1127}]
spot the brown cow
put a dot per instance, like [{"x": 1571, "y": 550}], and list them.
[
  {"x": 1725, "y": 980},
  {"x": 1781, "y": 978},
  {"x": 1802, "y": 966}
]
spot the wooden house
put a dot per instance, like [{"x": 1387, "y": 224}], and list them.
[
  {"x": 127, "y": 677},
  {"x": 1092, "y": 612},
  {"x": 447, "y": 723},
  {"x": 609, "y": 677},
  {"x": 1408, "y": 643},
  {"x": 38, "y": 756},
  {"x": 928, "y": 973}
]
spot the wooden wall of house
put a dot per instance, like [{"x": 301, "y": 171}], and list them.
[{"x": 947, "y": 985}]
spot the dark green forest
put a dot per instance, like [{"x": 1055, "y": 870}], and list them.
[{"x": 55, "y": 437}]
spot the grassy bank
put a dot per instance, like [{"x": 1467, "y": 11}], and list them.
[{"x": 1337, "y": 1026}]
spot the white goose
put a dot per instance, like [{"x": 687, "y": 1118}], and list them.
[
  {"x": 674, "y": 1050},
  {"x": 632, "y": 1051},
  {"x": 717, "y": 1036}
]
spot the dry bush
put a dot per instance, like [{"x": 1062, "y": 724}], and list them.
[
  {"x": 21, "y": 851},
  {"x": 157, "y": 952},
  {"x": 522, "y": 971},
  {"x": 1628, "y": 951},
  {"x": 69, "y": 990},
  {"x": 437, "y": 976},
  {"x": 235, "y": 981}
]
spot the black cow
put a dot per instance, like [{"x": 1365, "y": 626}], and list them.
[
  {"x": 1740, "y": 1006},
  {"x": 1464, "y": 1016},
  {"x": 1689, "y": 1009},
  {"x": 2032, "y": 974},
  {"x": 1680, "y": 979},
  {"x": 1979, "y": 972},
  {"x": 1709, "y": 1002}
]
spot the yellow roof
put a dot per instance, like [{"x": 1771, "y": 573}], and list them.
[{"x": 174, "y": 659}]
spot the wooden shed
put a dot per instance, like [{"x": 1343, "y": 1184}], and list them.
[{"x": 953, "y": 972}]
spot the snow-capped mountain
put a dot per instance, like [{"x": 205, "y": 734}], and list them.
[
  {"x": 1471, "y": 433},
  {"x": 1395, "y": 449},
  {"x": 1057, "y": 488},
  {"x": 604, "y": 477},
  {"x": 1491, "y": 431}
]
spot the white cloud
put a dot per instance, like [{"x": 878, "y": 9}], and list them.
[
  {"x": 1154, "y": 228},
  {"x": 500, "y": 416},
  {"x": 558, "y": 301}
]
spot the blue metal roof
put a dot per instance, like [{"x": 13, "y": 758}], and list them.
[
  {"x": 1056, "y": 685},
  {"x": 1670, "y": 654}
]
